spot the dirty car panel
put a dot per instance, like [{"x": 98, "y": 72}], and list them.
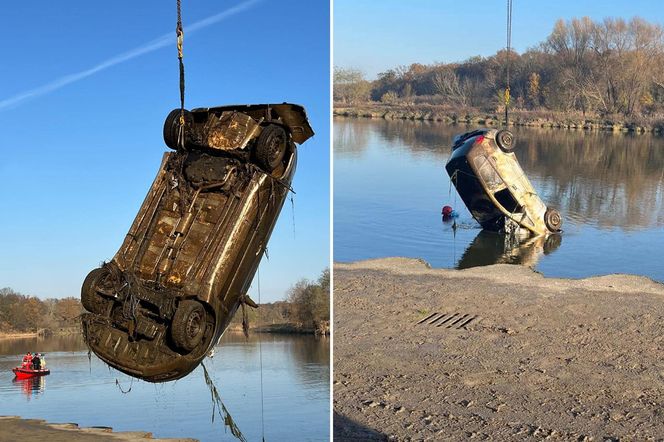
[
  {"x": 494, "y": 187},
  {"x": 186, "y": 264}
]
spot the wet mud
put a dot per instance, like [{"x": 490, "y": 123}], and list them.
[{"x": 496, "y": 352}]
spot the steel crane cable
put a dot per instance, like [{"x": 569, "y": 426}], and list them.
[
  {"x": 509, "y": 45},
  {"x": 179, "y": 32}
]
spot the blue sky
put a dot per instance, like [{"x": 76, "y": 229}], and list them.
[
  {"x": 374, "y": 36},
  {"x": 77, "y": 162}
]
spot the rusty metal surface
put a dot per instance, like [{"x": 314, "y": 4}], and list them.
[
  {"x": 230, "y": 130},
  {"x": 198, "y": 236},
  {"x": 493, "y": 185},
  {"x": 290, "y": 115}
]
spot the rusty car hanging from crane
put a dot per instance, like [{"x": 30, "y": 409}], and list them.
[{"x": 164, "y": 300}]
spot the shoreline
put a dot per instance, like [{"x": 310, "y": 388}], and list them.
[
  {"x": 495, "y": 352},
  {"x": 38, "y": 334},
  {"x": 17, "y": 428},
  {"x": 536, "y": 119},
  {"x": 278, "y": 329}
]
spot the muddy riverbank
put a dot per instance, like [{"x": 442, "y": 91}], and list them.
[
  {"x": 544, "y": 119},
  {"x": 495, "y": 352},
  {"x": 44, "y": 332},
  {"x": 13, "y": 428}
]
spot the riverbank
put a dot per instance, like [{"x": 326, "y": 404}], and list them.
[
  {"x": 284, "y": 328},
  {"x": 495, "y": 352},
  {"x": 40, "y": 333},
  {"x": 13, "y": 428},
  {"x": 543, "y": 119}
]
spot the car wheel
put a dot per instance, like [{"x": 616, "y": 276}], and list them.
[
  {"x": 505, "y": 140},
  {"x": 553, "y": 220},
  {"x": 90, "y": 298},
  {"x": 172, "y": 127},
  {"x": 188, "y": 325},
  {"x": 271, "y": 147}
]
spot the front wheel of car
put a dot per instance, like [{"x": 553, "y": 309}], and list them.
[
  {"x": 271, "y": 147},
  {"x": 553, "y": 220},
  {"x": 188, "y": 325},
  {"x": 505, "y": 140},
  {"x": 90, "y": 297}
]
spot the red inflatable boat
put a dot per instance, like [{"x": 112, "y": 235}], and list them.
[{"x": 26, "y": 373}]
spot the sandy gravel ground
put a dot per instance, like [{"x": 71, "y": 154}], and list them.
[
  {"x": 531, "y": 358},
  {"x": 13, "y": 429}
]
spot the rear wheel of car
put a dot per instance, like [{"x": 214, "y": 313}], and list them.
[
  {"x": 172, "y": 127},
  {"x": 90, "y": 298},
  {"x": 553, "y": 220},
  {"x": 271, "y": 147},
  {"x": 505, "y": 140},
  {"x": 188, "y": 326}
]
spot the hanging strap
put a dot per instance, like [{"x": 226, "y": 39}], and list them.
[
  {"x": 509, "y": 45},
  {"x": 179, "y": 32}
]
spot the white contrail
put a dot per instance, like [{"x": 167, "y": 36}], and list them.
[{"x": 158, "y": 43}]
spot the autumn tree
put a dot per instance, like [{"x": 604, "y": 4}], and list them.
[
  {"x": 534, "y": 89},
  {"x": 310, "y": 301},
  {"x": 21, "y": 313}
]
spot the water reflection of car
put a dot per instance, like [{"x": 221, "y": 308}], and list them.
[
  {"x": 163, "y": 301},
  {"x": 492, "y": 184},
  {"x": 496, "y": 248}
]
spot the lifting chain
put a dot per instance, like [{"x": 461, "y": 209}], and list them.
[
  {"x": 509, "y": 45},
  {"x": 179, "y": 31}
]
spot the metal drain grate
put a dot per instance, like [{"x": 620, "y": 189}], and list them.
[{"x": 449, "y": 320}]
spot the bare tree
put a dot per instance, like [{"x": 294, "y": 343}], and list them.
[
  {"x": 448, "y": 85},
  {"x": 350, "y": 86}
]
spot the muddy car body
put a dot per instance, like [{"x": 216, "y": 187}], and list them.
[
  {"x": 163, "y": 301},
  {"x": 492, "y": 184}
]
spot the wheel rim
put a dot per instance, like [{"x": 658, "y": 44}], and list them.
[
  {"x": 553, "y": 220},
  {"x": 194, "y": 325},
  {"x": 275, "y": 147},
  {"x": 505, "y": 140}
]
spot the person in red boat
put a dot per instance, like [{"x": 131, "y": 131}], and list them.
[
  {"x": 27, "y": 361},
  {"x": 36, "y": 362}
]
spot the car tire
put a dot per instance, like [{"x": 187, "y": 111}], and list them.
[
  {"x": 270, "y": 147},
  {"x": 505, "y": 140},
  {"x": 172, "y": 127},
  {"x": 553, "y": 220},
  {"x": 90, "y": 298},
  {"x": 188, "y": 325}
]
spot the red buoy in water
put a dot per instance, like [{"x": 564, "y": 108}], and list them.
[{"x": 447, "y": 211}]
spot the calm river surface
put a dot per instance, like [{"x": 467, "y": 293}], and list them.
[
  {"x": 296, "y": 380},
  {"x": 390, "y": 185}
]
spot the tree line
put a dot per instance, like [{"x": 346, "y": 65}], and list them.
[
  {"x": 608, "y": 67},
  {"x": 307, "y": 307},
  {"x": 20, "y": 313}
]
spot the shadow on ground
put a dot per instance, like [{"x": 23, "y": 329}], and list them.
[{"x": 346, "y": 429}]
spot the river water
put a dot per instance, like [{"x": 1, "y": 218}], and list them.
[
  {"x": 390, "y": 185},
  {"x": 295, "y": 374}
]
